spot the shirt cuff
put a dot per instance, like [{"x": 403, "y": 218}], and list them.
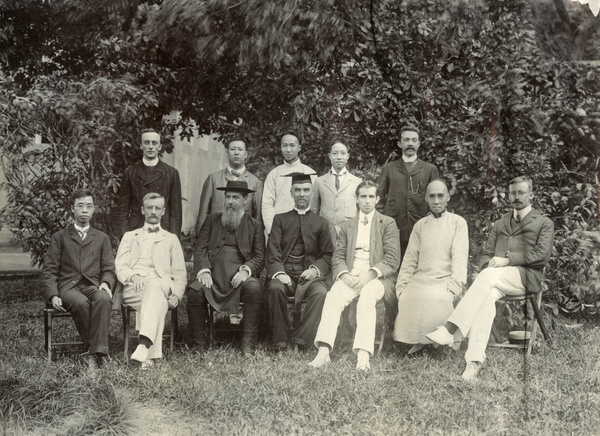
[
  {"x": 278, "y": 273},
  {"x": 202, "y": 271},
  {"x": 342, "y": 272},
  {"x": 377, "y": 271},
  {"x": 247, "y": 269},
  {"x": 316, "y": 269}
]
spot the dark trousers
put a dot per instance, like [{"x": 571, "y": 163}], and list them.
[
  {"x": 277, "y": 297},
  {"x": 197, "y": 310},
  {"x": 91, "y": 308}
]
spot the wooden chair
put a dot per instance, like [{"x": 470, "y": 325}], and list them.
[
  {"x": 170, "y": 337},
  {"x": 49, "y": 314},
  {"x": 350, "y": 312},
  {"x": 223, "y": 327},
  {"x": 536, "y": 304}
]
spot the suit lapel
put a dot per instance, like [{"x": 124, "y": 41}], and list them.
[
  {"x": 159, "y": 171},
  {"x": 329, "y": 181},
  {"x": 352, "y": 235}
]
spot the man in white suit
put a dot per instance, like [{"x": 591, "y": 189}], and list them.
[
  {"x": 334, "y": 193},
  {"x": 151, "y": 267},
  {"x": 365, "y": 265}
]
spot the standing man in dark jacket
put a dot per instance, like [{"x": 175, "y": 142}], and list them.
[
  {"x": 228, "y": 259},
  {"x": 149, "y": 175},
  {"x": 79, "y": 275},
  {"x": 402, "y": 184}
]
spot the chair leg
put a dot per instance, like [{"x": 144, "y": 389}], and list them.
[
  {"x": 173, "y": 330},
  {"x": 48, "y": 329},
  {"x": 125, "y": 316},
  {"x": 211, "y": 314},
  {"x": 536, "y": 303},
  {"x": 384, "y": 328}
]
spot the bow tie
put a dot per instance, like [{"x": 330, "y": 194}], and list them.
[
  {"x": 153, "y": 229},
  {"x": 236, "y": 173}
]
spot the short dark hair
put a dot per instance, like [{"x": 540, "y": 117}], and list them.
[
  {"x": 410, "y": 128},
  {"x": 150, "y": 131},
  {"x": 234, "y": 139},
  {"x": 367, "y": 184},
  {"x": 152, "y": 196},
  {"x": 339, "y": 140},
  {"x": 80, "y": 193},
  {"x": 522, "y": 179},
  {"x": 290, "y": 133}
]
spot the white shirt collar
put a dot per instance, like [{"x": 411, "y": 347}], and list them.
[
  {"x": 341, "y": 173},
  {"x": 409, "y": 159},
  {"x": 291, "y": 164},
  {"x": 521, "y": 213},
  {"x": 150, "y": 226},
  {"x": 241, "y": 170},
  {"x": 301, "y": 211},
  {"x": 150, "y": 163},
  {"x": 361, "y": 216},
  {"x": 81, "y": 229}
]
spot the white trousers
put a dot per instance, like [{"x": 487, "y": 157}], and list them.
[
  {"x": 151, "y": 306},
  {"x": 475, "y": 313},
  {"x": 337, "y": 299}
]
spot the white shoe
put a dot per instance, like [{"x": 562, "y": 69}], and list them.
[
  {"x": 362, "y": 361},
  {"x": 140, "y": 354},
  {"x": 321, "y": 359},
  {"x": 441, "y": 336},
  {"x": 147, "y": 364},
  {"x": 471, "y": 371}
]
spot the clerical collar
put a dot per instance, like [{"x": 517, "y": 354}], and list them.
[
  {"x": 151, "y": 226},
  {"x": 81, "y": 229},
  {"x": 409, "y": 159},
  {"x": 438, "y": 215},
  {"x": 521, "y": 213},
  {"x": 239, "y": 171},
  {"x": 302, "y": 211},
  {"x": 341, "y": 173},
  {"x": 292, "y": 163},
  {"x": 150, "y": 163}
]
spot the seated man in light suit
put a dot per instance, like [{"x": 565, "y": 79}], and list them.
[
  {"x": 365, "y": 264},
  {"x": 518, "y": 248},
  {"x": 433, "y": 271},
  {"x": 151, "y": 267},
  {"x": 334, "y": 197}
]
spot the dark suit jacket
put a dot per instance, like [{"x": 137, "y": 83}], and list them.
[
  {"x": 527, "y": 245},
  {"x": 213, "y": 201},
  {"x": 128, "y": 214},
  {"x": 68, "y": 260},
  {"x": 384, "y": 250},
  {"x": 249, "y": 236},
  {"x": 318, "y": 247},
  {"x": 403, "y": 193}
]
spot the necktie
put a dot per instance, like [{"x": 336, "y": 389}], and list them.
[
  {"x": 82, "y": 234},
  {"x": 337, "y": 180},
  {"x": 518, "y": 219},
  {"x": 366, "y": 221},
  {"x": 153, "y": 229},
  {"x": 235, "y": 173}
]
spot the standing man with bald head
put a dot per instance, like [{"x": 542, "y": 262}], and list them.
[
  {"x": 149, "y": 175},
  {"x": 433, "y": 272},
  {"x": 276, "y": 195},
  {"x": 402, "y": 184}
]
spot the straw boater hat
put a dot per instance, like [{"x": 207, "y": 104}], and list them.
[{"x": 236, "y": 186}]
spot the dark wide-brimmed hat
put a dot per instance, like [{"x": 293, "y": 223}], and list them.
[
  {"x": 300, "y": 177},
  {"x": 237, "y": 186}
]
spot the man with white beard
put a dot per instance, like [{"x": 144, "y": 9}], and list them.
[{"x": 228, "y": 258}]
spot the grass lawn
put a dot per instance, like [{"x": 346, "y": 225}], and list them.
[{"x": 554, "y": 392}]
